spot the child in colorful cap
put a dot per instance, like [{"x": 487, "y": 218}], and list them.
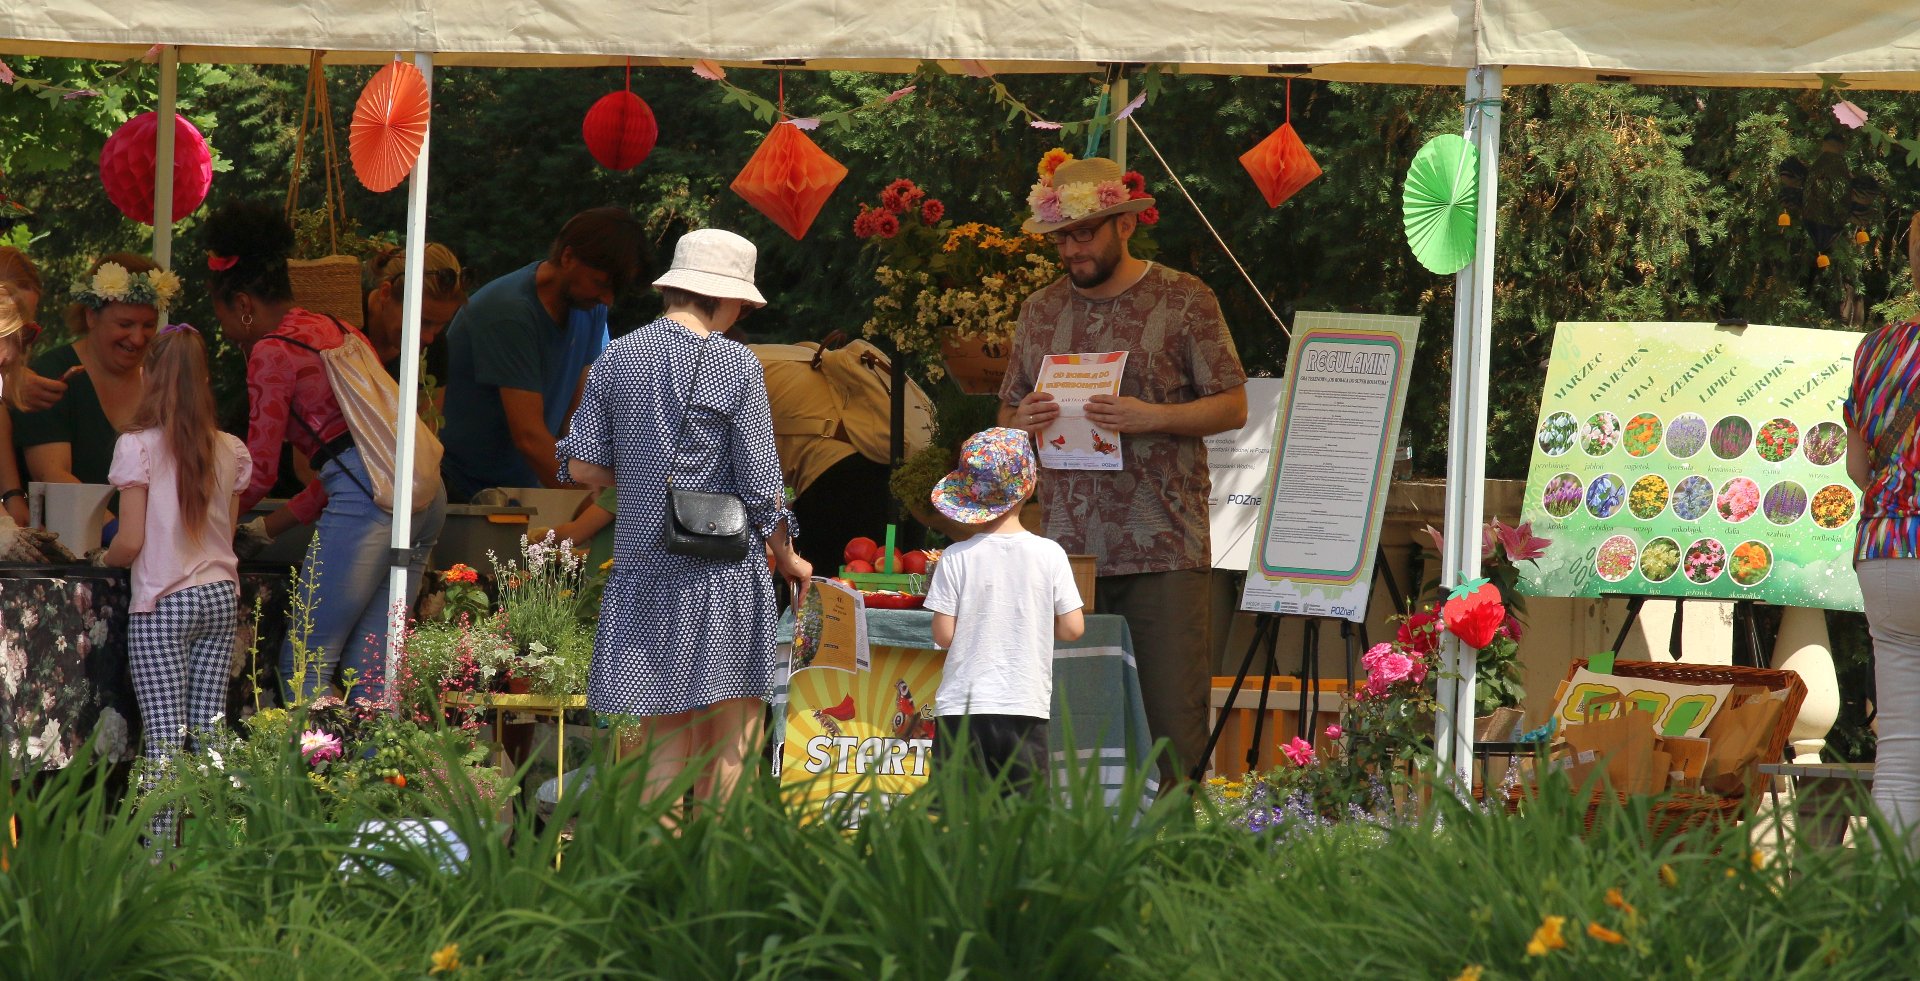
[{"x": 999, "y": 600}]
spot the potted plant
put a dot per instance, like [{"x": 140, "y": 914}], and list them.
[{"x": 950, "y": 294}]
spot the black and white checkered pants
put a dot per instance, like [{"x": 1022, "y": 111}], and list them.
[{"x": 180, "y": 655}]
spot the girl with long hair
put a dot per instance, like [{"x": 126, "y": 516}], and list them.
[{"x": 179, "y": 478}]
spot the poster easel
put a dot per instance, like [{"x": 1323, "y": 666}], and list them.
[{"x": 1744, "y": 617}]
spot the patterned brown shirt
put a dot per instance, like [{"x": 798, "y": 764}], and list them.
[{"x": 1151, "y": 515}]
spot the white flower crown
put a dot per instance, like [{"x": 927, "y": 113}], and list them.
[{"x": 112, "y": 283}]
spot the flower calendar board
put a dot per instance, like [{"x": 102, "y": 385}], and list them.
[{"x": 1690, "y": 460}]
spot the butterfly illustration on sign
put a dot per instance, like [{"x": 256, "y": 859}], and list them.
[
  {"x": 1101, "y": 445},
  {"x": 1058, "y": 441}
]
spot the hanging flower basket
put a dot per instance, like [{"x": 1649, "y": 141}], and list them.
[{"x": 976, "y": 364}]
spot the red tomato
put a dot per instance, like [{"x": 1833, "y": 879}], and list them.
[
  {"x": 859, "y": 565},
  {"x": 914, "y": 562},
  {"x": 861, "y": 550}
]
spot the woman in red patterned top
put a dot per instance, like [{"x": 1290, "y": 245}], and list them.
[{"x": 290, "y": 398}]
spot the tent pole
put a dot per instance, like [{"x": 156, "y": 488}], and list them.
[
  {"x": 163, "y": 158},
  {"x": 401, "y": 552},
  {"x": 1467, "y": 446},
  {"x": 1116, "y": 97}
]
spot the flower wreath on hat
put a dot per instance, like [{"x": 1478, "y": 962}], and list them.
[
  {"x": 1071, "y": 202},
  {"x": 112, "y": 283}
]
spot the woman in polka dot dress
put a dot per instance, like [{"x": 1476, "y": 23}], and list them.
[{"x": 686, "y": 643}]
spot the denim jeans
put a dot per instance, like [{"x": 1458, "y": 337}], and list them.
[
  {"x": 1891, "y": 589},
  {"x": 348, "y": 569}
]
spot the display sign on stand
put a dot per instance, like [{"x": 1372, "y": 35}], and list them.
[
  {"x": 1237, "y": 461},
  {"x": 1326, "y": 489},
  {"x": 1694, "y": 461}
]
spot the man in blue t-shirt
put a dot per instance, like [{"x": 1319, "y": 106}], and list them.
[{"x": 518, "y": 353}]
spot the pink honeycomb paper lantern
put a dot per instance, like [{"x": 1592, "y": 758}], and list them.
[{"x": 127, "y": 170}]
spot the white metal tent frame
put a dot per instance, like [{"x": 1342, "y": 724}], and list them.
[{"x": 1486, "y": 44}]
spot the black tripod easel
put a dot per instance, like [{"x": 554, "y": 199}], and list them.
[
  {"x": 1744, "y": 620},
  {"x": 1265, "y": 646}
]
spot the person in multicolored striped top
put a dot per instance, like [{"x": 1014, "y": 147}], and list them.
[{"x": 1883, "y": 458}]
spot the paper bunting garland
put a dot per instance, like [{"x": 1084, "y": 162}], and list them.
[
  {"x": 1440, "y": 202},
  {"x": 389, "y": 126},
  {"x": 127, "y": 167},
  {"x": 789, "y": 179},
  {"x": 620, "y": 130}
]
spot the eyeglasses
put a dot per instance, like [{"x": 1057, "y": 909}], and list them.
[{"x": 1082, "y": 235}]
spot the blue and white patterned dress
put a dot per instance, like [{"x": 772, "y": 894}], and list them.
[{"x": 677, "y": 632}]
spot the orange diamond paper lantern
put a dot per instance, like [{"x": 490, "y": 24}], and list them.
[
  {"x": 1280, "y": 165},
  {"x": 789, "y": 179},
  {"x": 389, "y": 126}
]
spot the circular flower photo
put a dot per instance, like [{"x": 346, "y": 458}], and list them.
[
  {"x": 1557, "y": 433},
  {"x": 1648, "y": 497},
  {"x": 1752, "y": 561},
  {"x": 1705, "y": 560},
  {"x": 1686, "y": 434},
  {"x": 1659, "y": 559},
  {"x": 1615, "y": 559},
  {"x": 1777, "y": 439},
  {"x": 1739, "y": 498},
  {"x": 1731, "y": 436},
  {"x": 1826, "y": 444},
  {"x": 1832, "y": 506},
  {"x": 1692, "y": 497},
  {"x": 1643, "y": 434},
  {"x": 1601, "y": 434},
  {"x": 1785, "y": 502},
  {"x": 1605, "y": 495},
  {"x": 1563, "y": 495}
]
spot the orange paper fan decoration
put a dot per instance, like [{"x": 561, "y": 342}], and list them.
[
  {"x": 1280, "y": 164},
  {"x": 389, "y": 126},
  {"x": 789, "y": 179}
]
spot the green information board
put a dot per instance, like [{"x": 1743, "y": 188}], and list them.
[{"x": 1693, "y": 460}]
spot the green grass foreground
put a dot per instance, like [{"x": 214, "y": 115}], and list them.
[{"x": 986, "y": 888}]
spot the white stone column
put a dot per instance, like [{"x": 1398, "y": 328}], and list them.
[{"x": 1805, "y": 648}]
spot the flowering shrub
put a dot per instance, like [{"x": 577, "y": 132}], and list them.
[
  {"x": 1825, "y": 444},
  {"x": 1686, "y": 434},
  {"x": 1705, "y": 560},
  {"x": 1601, "y": 435},
  {"x": 1777, "y": 440},
  {"x": 1832, "y": 506},
  {"x": 1556, "y": 434}
]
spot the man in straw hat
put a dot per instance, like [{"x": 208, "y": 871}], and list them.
[{"x": 1145, "y": 524}]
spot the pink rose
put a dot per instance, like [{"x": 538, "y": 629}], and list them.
[
  {"x": 1392, "y": 669},
  {"x": 1299, "y": 752},
  {"x": 1334, "y": 732}
]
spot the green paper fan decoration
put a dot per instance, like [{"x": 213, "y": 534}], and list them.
[{"x": 1438, "y": 206}]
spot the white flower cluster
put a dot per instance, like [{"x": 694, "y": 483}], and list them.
[{"x": 112, "y": 283}]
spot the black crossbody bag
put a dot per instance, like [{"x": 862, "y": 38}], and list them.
[{"x": 702, "y": 524}]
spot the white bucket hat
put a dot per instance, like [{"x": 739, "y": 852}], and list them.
[{"x": 714, "y": 262}]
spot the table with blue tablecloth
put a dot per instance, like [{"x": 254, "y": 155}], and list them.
[{"x": 873, "y": 729}]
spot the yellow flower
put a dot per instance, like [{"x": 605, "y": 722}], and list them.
[
  {"x": 1548, "y": 937},
  {"x": 166, "y": 286},
  {"x": 1604, "y": 935},
  {"x": 1758, "y": 860},
  {"x": 1469, "y": 973},
  {"x": 1618, "y": 901},
  {"x": 111, "y": 281},
  {"x": 446, "y": 959},
  {"x": 1667, "y": 878},
  {"x": 1729, "y": 873}
]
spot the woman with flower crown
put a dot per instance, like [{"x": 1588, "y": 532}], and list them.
[{"x": 115, "y": 311}]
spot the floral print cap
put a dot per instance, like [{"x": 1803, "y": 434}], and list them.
[{"x": 997, "y": 471}]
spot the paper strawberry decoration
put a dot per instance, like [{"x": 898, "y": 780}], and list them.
[{"x": 1474, "y": 612}]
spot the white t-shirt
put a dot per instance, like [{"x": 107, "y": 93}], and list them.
[{"x": 1003, "y": 591}]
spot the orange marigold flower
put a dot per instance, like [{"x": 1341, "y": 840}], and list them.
[
  {"x": 1618, "y": 901},
  {"x": 1547, "y": 937},
  {"x": 1604, "y": 935},
  {"x": 1051, "y": 161},
  {"x": 1469, "y": 973}
]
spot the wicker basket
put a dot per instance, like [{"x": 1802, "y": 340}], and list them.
[
  {"x": 328, "y": 286},
  {"x": 1674, "y": 813}
]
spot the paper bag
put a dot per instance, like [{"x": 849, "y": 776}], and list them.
[
  {"x": 1623, "y": 743},
  {"x": 1739, "y": 736},
  {"x": 1688, "y": 756}
]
